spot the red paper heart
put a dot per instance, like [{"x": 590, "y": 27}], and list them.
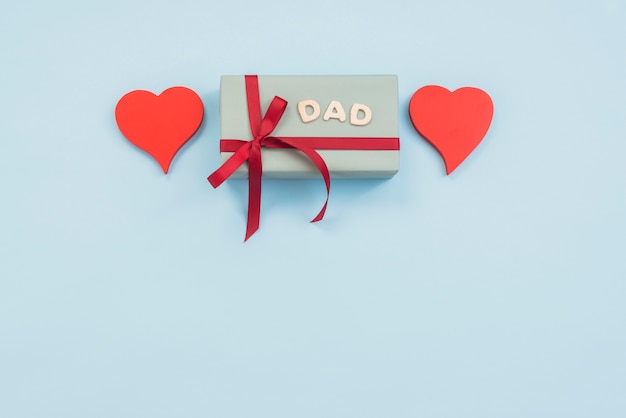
[
  {"x": 453, "y": 122},
  {"x": 160, "y": 125}
]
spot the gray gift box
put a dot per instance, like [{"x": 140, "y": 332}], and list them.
[{"x": 358, "y": 107}]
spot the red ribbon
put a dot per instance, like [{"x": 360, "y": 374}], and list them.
[{"x": 261, "y": 128}]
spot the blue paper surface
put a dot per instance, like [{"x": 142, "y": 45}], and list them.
[{"x": 496, "y": 292}]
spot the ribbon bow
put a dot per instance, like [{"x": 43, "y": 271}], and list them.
[{"x": 250, "y": 151}]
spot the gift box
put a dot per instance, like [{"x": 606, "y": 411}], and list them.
[
  {"x": 350, "y": 121},
  {"x": 305, "y": 126}
]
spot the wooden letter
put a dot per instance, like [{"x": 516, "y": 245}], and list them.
[
  {"x": 335, "y": 111},
  {"x": 303, "y": 104},
  {"x": 354, "y": 114}
]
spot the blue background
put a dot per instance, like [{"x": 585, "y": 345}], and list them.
[{"x": 497, "y": 291}]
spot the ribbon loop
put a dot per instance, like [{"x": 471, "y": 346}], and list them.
[
  {"x": 231, "y": 165},
  {"x": 272, "y": 117}
]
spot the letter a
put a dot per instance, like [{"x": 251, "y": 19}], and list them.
[{"x": 335, "y": 111}]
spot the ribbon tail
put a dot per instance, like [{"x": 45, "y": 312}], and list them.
[
  {"x": 321, "y": 166},
  {"x": 255, "y": 170}
]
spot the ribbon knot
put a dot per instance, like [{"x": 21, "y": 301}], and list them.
[{"x": 250, "y": 151}]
